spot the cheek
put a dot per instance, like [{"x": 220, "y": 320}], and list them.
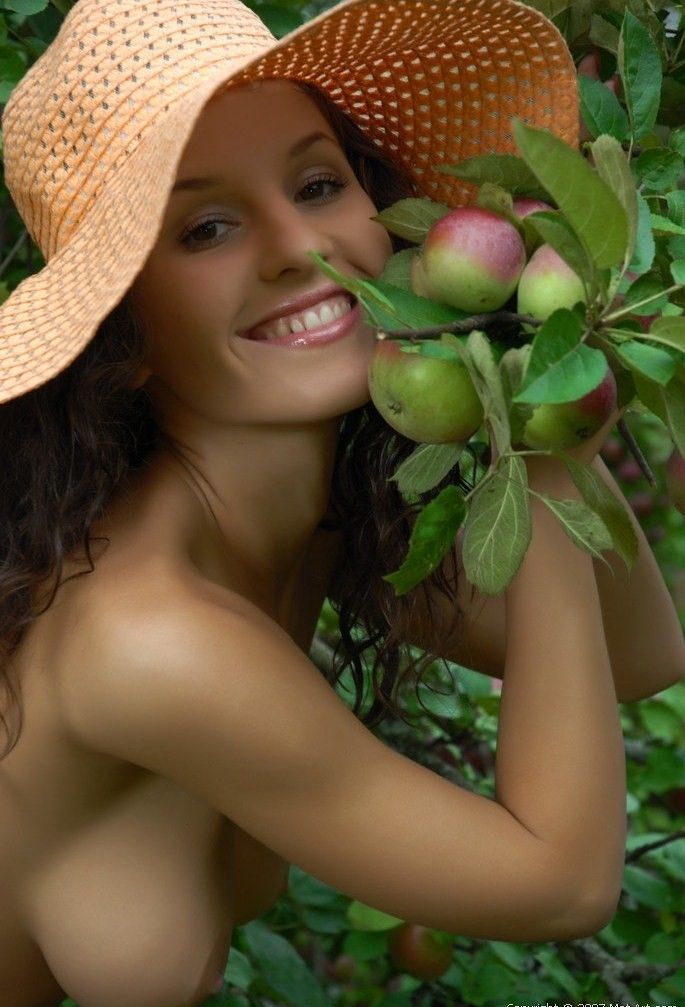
[{"x": 375, "y": 243}]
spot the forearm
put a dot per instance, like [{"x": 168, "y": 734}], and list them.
[
  {"x": 560, "y": 764},
  {"x": 643, "y": 632}
]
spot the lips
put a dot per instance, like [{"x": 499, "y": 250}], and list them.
[
  {"x": 279, "y": 329},
  {"x": 295, "y": 306}
]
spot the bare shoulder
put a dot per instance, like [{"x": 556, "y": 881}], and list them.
[{"x": 220, "y": 700}]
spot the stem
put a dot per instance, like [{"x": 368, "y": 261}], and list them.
[
  {"x": 13, "y": 251},
  {"x": 635, "y": 451},
  {"x": 63, "y": 6},
  {"x": 630, "y": 308},
  {"x": 483, "y": 321},
  {"x": 672, "y": 62}
]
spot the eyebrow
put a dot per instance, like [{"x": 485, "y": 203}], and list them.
[{"x": 193, "y": 184}]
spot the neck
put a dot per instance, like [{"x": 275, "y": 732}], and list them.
[{"x": 254, "y": 502}]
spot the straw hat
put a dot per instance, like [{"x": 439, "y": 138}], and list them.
[{"x": 95, "y": 130}]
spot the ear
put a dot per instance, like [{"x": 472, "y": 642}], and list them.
[{"x": 141, "y": 377}]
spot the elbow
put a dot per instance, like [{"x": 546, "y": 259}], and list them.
[
  {"x": 646, "y": 687},
  {"x": 585, "y": 921},
  {"x": 600, "y": 918}
]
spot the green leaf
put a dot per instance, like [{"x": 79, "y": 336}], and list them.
[
  {"x": 35, "y": 47},
  {"x": 12, "y": 65},
  {"x": 284, "y": 969},
  {"x": 601, "y": 109},
  {"x": 660, "y": 721},
  {"x": 240, "y": 971},
  {"x": 651, "y": 394},
  {"x": 669, "y": 330},
  {"x": 645, "y": 248},
  {"x": 676, "y": 206},
  {"x": 552, "y": 966},
  {"x": 674, "y": 402},
  {"x": 381, "y": 311},
  {"x": 662, "y": 225},
  {"x": 279, "y": 20},
  {"x": 367, "y": 919},
  {"x": 426, "y": 466},
  {"x": 676, "y": 140},
  {"x": 612, "y": 165},
  {"x": 494, "y": 197},
  {"x": 647, "y": 888},
  {"x": 498, "y": 527},
  {"x": 412, "y": 218},
  {"x": 555, "y": 230},
  {"x": 585, "y": 528},
  {"x": 438, "y": 350},
  {"x": 653, "y": 363},
  {"x": 639, "y": 65},
  {"x": 432, "y": 537},
  {"x": 397, "y": 269},
  {"x": 561, "y": 368},
  {"x": 579, "y": 192},
  {"x": 643, "y": 287},
  {"x": 416, "y": 312},
  {"x": 480, "y": 358},
  {"x": 604, "y": 34},
  {"x": 600, "y": 499},
  {"x": 658, "y": 169},
  {"x": 26, "y": 7},
  {"x": 505, "y": 170},
  {"x": 512, "y": 367}
]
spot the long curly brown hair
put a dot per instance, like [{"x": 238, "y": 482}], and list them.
[{"x": 68, "y": 446}]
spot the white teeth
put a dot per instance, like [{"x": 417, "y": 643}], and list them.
[
  {"x": 327, "y": 314},
  {"x": 312, "y": 318}
]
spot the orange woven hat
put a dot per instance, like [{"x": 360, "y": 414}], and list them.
[{"x": 95, "y": 130}]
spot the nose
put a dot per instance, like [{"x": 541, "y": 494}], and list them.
[{"x": 288, "y": 231}]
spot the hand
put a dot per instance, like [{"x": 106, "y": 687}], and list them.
[
  {"x": 586, "y": 451},
  {"x": 551, "y": 471}
]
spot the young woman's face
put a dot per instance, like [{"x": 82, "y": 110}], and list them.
[{"x": 231, "y": 253}]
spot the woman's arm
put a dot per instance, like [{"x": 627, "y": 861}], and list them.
[
  {"x": 641, "y": 624},
  {"x": 558, "y": 706},
  {"x": 642, "y": 629}
]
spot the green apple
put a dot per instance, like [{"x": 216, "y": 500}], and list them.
[
  {"x": 426, "y": 399},
  {"x": 547, "y": 283},
  {"x": 565, "y": 424}
]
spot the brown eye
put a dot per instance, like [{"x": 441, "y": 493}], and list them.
[
  {"x": 199, "y": 229},
  {"x": 336, "y": 184}
]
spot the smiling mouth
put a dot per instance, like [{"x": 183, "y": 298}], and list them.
[{"x": 310, "y": 319}]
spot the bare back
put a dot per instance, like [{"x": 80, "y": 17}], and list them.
[{"x": 115, "y": 880}]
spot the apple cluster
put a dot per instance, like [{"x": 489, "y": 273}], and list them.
[{"x": 475, "y": 259}]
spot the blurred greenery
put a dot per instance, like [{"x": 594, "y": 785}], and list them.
[{"x": 287, "y": 957}]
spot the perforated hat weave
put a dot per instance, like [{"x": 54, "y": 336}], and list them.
[{"x": 94, "y": 132}]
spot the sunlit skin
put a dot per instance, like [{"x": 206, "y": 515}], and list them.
[{"x": 259, "y": 422}]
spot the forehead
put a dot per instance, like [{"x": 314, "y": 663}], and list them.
[{"x": 258, "y": 115}]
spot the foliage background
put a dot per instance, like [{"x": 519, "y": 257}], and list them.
[{"x": 316, "y": 947}]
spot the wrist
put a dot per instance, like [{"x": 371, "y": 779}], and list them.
[{"x": 548, "y": 474}]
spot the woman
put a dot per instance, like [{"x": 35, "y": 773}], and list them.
[{"x": 178, "y": 748}]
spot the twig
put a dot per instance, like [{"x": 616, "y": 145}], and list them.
[
  {"x": 656, "y": 845},
  {"x": 635, "y": 451},
  {"x": 484, "y": 321},
  {"x": 13, "y": 251},
  {"x": 612, "y": 972}
]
